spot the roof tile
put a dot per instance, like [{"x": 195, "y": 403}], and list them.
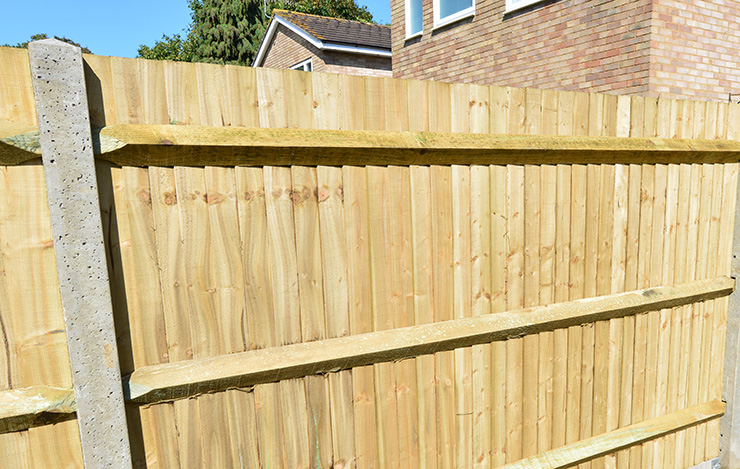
[{"x": 340, "y": 31}]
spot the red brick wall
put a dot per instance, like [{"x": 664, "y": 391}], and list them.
[
  {"x": 598, "y": 46},
  {"x": 288, "y": 49},
  {"x": 658, "y": 48},
  {"x": 695, "y": 49},
  {"x": 355, "y": 64}
]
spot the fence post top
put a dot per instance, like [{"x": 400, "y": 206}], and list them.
[{"x": 51, "y": 42}]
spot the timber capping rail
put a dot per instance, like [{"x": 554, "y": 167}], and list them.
[{"x": 177, "y": 145}]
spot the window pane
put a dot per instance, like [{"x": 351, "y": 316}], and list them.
[
  {"x": 450, "y": 7},
  {"x": 414, "y": 12}
]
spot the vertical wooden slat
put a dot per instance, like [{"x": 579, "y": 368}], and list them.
[
  {"x": 181, "y": 85},
  {"x": 499, "y": 99},
  {"x": 654, "y": 317},
  {"x": 54, "y": 445},
  {"x": 590, "y": 289},
  {"x": 171, "y": 266},
  {"x": 403, "y": 306},
  {"x": 480, "y": 259},
  {"x": 618, "y": 327},
  {"x": 439, "y": 107},
  {"x": 32, "y": 295},
  {"x": 442, "y": 246},
  {"x": 352, "y": 97},
  {"x": 664, "y": 347},
  {"x": 418, "y": 100},
  {"x": 423, "y": 274},
  {"x": 204, "y": 322},
  {"x": 137, "y": 245},
  {"x": 715, "y": 324},
  {"x": 545, "y": 394},
  {"x": 326, "y": 105},
  {"x": 500, "y": 249},
  {"x": 304, "y": 196},
  {"x": 514, "y": 300},
  {"x": 577, "y": 286},
  {"x": 243, "y": 103},
  {"x": 629, "y": 343},
  {"x": 360, "y": 312},
  {"x": 692, "y": 325},
  {"x": 531, "y": 343},
  {"x": 674, "y": 122},
  {"x": 396, "y": 105},
  {"x": 153, "y": 93},
  {"x": 16, "y": 92},
  {"x": 397, "y": 119},
  {"x": 700, "y": 361},
  {"x": 213, "y": 95},
  {"x": 639, "y": 389},
  {"x": 462, "y": 308},
  {"x": 334, "y": 255},
  {"x": 299, "y": 105},
  {"x": 286, "y": 301},
  {"x": 228, "y": 280},
  {"x": 383, "y": 314},
  {"x": 684, "y": 439},
  {"x": 271, "y": 98},
  {"x": 562, "y": 256},
  {"x": 680, "y": 327},
  {"x": 126, "y": 90},
  {"x": 259, "y": 311},
  {"x": 602, "y": 329},
  {"x": 480, "y": 254}
]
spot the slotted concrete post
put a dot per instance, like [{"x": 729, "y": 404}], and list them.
[
  {"x": 729, "y": 451},
  {"x": 67, "y": 152}
]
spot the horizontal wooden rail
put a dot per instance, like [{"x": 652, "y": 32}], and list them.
[
  {"x": 22, "y": 408},
  {"x": 26, "y": 407},
  {"x": 607, "y": 443},
  {"x": 239, "y": 370},
  {"x": 175, "y": 145}
]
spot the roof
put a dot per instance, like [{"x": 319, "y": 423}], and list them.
[
  {"x": 340, "y": 31},
  {"x": 327, "y": 33}
]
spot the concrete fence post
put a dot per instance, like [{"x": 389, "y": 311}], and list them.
[
  {"x": 729, "y": 451},
  {"x": 67, "y": 153}
]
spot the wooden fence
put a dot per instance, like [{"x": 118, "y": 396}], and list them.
[{"x": 414, "y": 267}]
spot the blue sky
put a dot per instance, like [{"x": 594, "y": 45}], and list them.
[{"x": 113, "y": 27}]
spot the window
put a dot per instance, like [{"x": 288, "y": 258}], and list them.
[
  {"x": 447, "y": 11},
  {"x": 512, "y": 5},
  {"x": 306, "y": 65},
  {"x": 414, "y": 23}
]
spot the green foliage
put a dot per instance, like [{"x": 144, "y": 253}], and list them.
[
  {"x": 345, "y": 9},
  {"x": 224, "y": 31},
  {"x": 169, "y": 48},
  {"x": 38, "y": 37},
  {"x": 230, "y": 31}
]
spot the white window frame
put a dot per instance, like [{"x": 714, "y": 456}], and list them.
[
  {"x": 521, "y": 4},
  {"x": 462, "y": 14},
  {"x": 302, "y": 65},
  {"x": 409, "y": 34}
]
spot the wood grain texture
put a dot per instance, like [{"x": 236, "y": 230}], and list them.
[
  {"x": 581, "y": 210},
  {"x": 175, "y": 380},
  {"x": 588, "y": 449},
  {"x": 182, "y": 145}
]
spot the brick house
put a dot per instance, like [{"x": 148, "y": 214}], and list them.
[
  {"x": 657, "y": 48},
  {"x": 317, "y": 43}
]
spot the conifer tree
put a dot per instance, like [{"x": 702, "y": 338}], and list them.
[{"x": 230, "y": 31}]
